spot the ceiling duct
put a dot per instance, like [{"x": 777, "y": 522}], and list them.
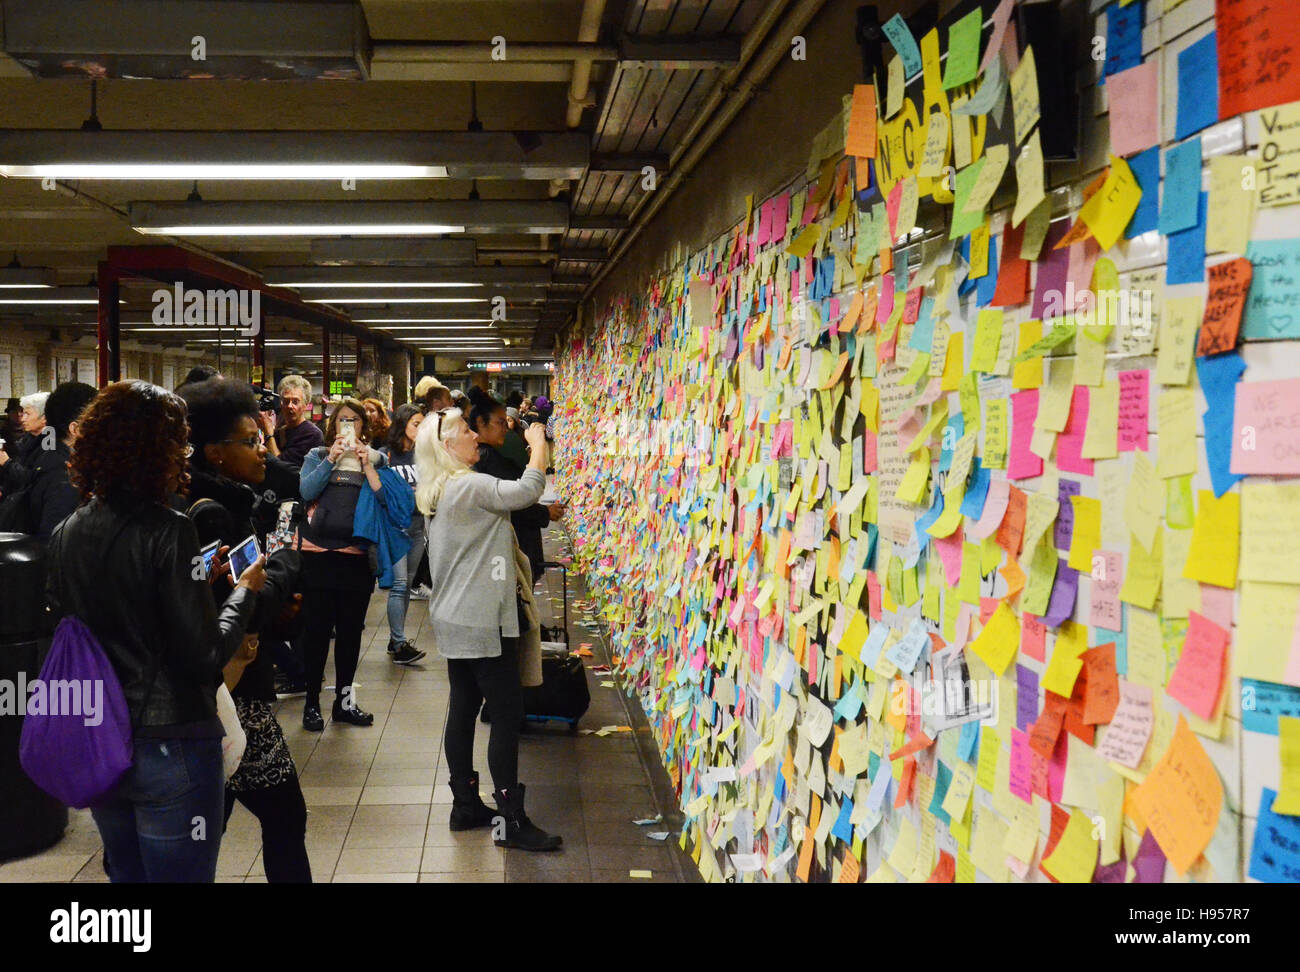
[
  {"x": 395, "y": 252},
  {"x": 251, "y": 40}
]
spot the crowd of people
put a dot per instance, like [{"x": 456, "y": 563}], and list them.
[{"x": 294, "y": 522}]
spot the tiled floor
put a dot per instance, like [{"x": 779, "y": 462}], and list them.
[{"x": 378, "y": 799}]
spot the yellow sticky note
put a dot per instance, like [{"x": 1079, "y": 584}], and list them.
[
  {"x": 855, "y": 635},
  {"x": 952, "y": 367},
  {"x": 1029, "y": 179},
  {"x": 979, "y": 251},
  {"x": 987, "y": 771},
  {"x": 1065, "y": 664},
  {"x": 1261, "y": 646},
  {"x": 1287, "y": 800},
  {"x": 990, "y": 175},
  {"x": 935, "y": 155},
  {"x": 1028, "y": 374},
  {"x": 803, "y": 244},
  {"x": 1176, "y": 431},
  {"x": 999, "y": 642},
  {"x": 1109, "y": 210},
  {"x": 1179, "y": 320},
  {"x": 1086, "y": 537},
  {"x": 1143, "y": 572},
  {"x": 1024, "y": 95},
  {"x": 1270, "y": 512},
  {"x": 988, "y": 337},
  {"x": 894, "y": 87},
  {"x": 912, "y": 487},
  {"x": 1074, "y": 858},
  {"x": 1101, "y": 438},
  {"x": 1212, "y": 558},
  {"x": 1230, "y": 212}
]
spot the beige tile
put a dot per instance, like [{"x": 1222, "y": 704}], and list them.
[
  {"x": 482, "y": 856},
  {"x": 331, "y": 796},
  {"x": 50, "y": 866},
  {"x": 396, "y": 794},
  {"x": 409, "y": 835},
  {"x": 404, "y": 776},
  {"x": 237, "y": 857},
  {"x": 403, "y": 878},
  {"x": 391, "y": 815},
  {"x": 327, "y": 775},
  {"x": 379, "y": 860},
  {"x": 462, "y": 877},
  {"x": 323, "y": 820},
  {"x": 388, "y": 760},
  {"x": 410, "y": 744}
]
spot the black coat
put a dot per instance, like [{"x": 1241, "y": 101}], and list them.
[
  {"x": 528, "y": 522},
  {"x": 134, "y": 576}
]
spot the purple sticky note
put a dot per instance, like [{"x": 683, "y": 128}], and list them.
[
  {"x": 1053, "y": 271},
  {"x": 1149, "y": 862},
  {"x": 1064, "y": 530},
  {"x": 1111, "y": 873},
  {"x": 1026, "y": 697},
  {"x": 1022, "y": 766},
  {"x": 1064, "y": 590}
]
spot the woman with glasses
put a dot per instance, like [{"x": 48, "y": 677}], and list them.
[
  {"x": 475, "y": 614},
  {"x": 338, "y": 575},
  {"x": 228, "y": 466}
]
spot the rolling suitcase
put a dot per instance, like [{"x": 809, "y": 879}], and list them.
[{"x": 563, "y": 694}]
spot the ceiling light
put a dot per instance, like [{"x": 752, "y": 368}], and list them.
[
  {"x": 388, "y": 321},
  {"x": 63, "y": 296},
  {"x": 397, "y": 300},
  {"x": 187, "y": 171},
  {"x": 306, "y": 229},
  {"x": 375, "y": 286},
  {"x": 459, "y": 326},
  {"x": 390, "y": 276},
  {"x": 16, "y": 277}
]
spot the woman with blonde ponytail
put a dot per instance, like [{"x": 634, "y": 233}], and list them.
[{"x": 475, "y": 614}]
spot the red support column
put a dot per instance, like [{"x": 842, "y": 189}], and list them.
[
  {"x": 325, "y": 360},
  {"x": 109, "y": 332}
]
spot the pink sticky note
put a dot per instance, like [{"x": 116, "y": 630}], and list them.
[
  {"x": 1083, "y": 257},
  {"x": 1216, "y": 604},
  {"x": 1033, "y": 637},
  {"x": 1134, "y": 410},
  {"x": 1198, "y": 676},
  {"x": 1106, "y": 585},
  {"x": 1022, "y": 766},
  {"x": 1001, "y": 17},
  {"x": 949, "y": 549},
  {"x": 1069, "y": 444},
  {"x": 886, "y": 305},
  {"x": 1130, "y": 726},
  {"x": 1266, "y": 437},
  {"x": 874, "y": 609},
  {"x": 780, "y": 216},
  {"x": 764, "y": 235},
  {"x": 1134, "y": 97},
  {"x": 1021, "y": 463},
  {"x": 912, "y": 308},
  {"x": 995, "y": 507},
  {"x": 870, "y": 460},
  {"x": 891, "y": 207}
]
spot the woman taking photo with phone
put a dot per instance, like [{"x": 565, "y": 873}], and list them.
[
  {"x": 475, "y": 614},
  {"x": 400, "y": 453},
  {"x": 338, "y": 577},
  {"x": 227, "y": 471},
  {"x": 124, "y": 563}
]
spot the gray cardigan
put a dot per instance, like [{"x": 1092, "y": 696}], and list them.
[{"x": 472, "y": 554}]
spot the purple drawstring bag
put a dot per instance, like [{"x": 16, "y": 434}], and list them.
[{"x": 77, "y": 756}]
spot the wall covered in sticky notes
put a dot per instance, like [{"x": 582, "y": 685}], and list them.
[{"x": 966, "y": 549}]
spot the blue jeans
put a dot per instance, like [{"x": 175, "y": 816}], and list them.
[
  {"x": 399, "y": 596},
  {"x": 164, "y": 822}
]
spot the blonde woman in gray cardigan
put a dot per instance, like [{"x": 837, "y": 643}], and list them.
[{"x": 475, "y": 615}]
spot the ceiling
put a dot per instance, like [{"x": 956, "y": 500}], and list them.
[{"x": 559, "y": 132}]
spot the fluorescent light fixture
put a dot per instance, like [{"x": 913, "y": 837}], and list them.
[
  {"x": 343, "y": 299},
  {"x": 27, "y": 278},
  {"x": 387, "y": 321},
  {"x": 325, "y": 229},
  {"x": 187, "y": 171},
  {"x": 461, "y": 326},
  {"x": 372, "y": 286},
  {"x": 394, "y": 276}
]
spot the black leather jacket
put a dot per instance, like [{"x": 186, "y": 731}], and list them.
[{"x": 130, "y": 574}]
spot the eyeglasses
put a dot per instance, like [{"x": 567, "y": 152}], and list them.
[{"x": 252, "y": 442}]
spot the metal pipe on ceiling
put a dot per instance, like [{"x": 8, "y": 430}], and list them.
[
  {"x": 593, "y": 11},
  {"x": 478, "y": 52},
  {"x": 729, "y": 96}
]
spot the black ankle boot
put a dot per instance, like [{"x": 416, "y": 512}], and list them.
[
  {"x": 520, "y": 831},
  {"x": 467, "y": 808},
  {"x": 352, "y": 714},
  {"x": 311, "y": 717}
]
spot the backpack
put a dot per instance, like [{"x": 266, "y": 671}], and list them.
[{"x": 68, "y": 758}]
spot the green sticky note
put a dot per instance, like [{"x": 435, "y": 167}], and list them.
[
  {"x": 963, "y": 50},
  {"x": 962, "y": 221},
  {"x": 1180, "y": 507}
]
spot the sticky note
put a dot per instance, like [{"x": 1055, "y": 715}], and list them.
[
  {"x": 1074, "y": 858},
  {"x": 1266, "y": 419},
  {"x": 860, "y": 140},
  {"x": 1278, "y": 178},
  {"x": 1146, "y": 169},
  {"x": 900, "y": 36},
  {"x": 1263, "y": 702},
  {"x": 1230, "y": 210},
  {"x": 1182, "y": 188},
  {"x": 1198, "y": 675},
  {"x": 1030, "y": 190},
  {"x": 1215, "y": 540},
  {"x": 1134, "y": 99},
  {"x": 1198, "y": 99},
  {"x": 1133, "y": 410},
  {"x": 962, "y": 221},
  {"x": 1288, "y": 797},
  {"x": 1178, "y": 323},
  {"x": 935, "y": 154},
  {"x": 990, "y": 177},
  {"x": 1274, "y": 291},
  {"x": 1270, "y": 516},
  {"x": 1109, "y": 210},
  {"x": 1176, "y": 433},
  {"x": 894, "y": 84},
  {"x": 1248, "y": 77},
  {"x": 963, "y": 50},
  {"x": 1229, "y": 284},
  {"x": 1065, "y": 664},
  {"x": 998, "y": 643},
  {"x": 1181, "y": 799},
  {"x": 1024, "y": 95},
  {"x": 1275, "y": 854},
  {"x": 1125, "y": 738},
  {"x": 1219, "y": 376},
  {"x": 1087, "y": 532},
  {"x": 1123, "y": 38}
]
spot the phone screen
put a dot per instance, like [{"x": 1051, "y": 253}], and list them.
[
  {"x": 243, "y": 556},
  {"x": 209, "y": 554}
]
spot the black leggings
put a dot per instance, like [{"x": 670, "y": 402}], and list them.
[
  {"x": 283, "y": 815},
  {"x": 343, "y": 614},
  {"x": 496, "y": 680}
]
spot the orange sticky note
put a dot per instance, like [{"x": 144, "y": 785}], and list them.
[
  {"x": 1045, "y": 730},
  {"x": 849, "y": 870},
  {"x": 945, "y": 871},
  {"x": 861, "y": 137},
  {"x": 1011, "y": 531},
  {"x": 905, "y": 784},
  {"x": 1015, "y": 578},
  {"x": 1101, "y": 690},
  {"x": 1181, "y": 799},
  {"x": 1229, "y": 285},
  {"x": 805, "y": 856}
]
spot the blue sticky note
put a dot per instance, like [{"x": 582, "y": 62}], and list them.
[
  {"x": 1124, "y": 37},
  {"x": 1219, "y": 375},
  {"x": 847, "y": 707},
  {"x": 843, "y": 829},
  {"x": 942, "y": 777},
  {"x": 928, "y": 518},
  {"x": 900, "y": 36},
  {"x": 987, "y": 285},
  {"x": 968, "y": 741},
  {"x": 873, "y": 760},
  {"x": 1101, "y": 636},
  {"x": 1271, "y": 307},
  {"x": 1198, "y": 87},
  {"x": 1275, "y": 854},
  {"x": 922, "y": 338},
  {"x": 1182, "y": 187},
  {"x": 958, "y": 426},
  {"x": 1186, "y": 263},
  {"x": 901, "y": 273},
  {"x": 1263, "y": 702},
  {"x": 1146, "y": 170},
  {"x": 906, "y": 652},
  {"x": 977, "y": 491},
  {"x": 967, "y": 284},
  {"x": 879, "y": 786},
  {"x": 870, "y": 653}
]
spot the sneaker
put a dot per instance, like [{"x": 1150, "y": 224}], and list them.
[
  {"x": 352, "y": 714},
  {"x": 286, "y": 687},
  {"x": 421, "y": 593},
  {"x": 393, "y": 645},
  {"x": 311, "y": 717},
  {"x": 407, "y": 654}
]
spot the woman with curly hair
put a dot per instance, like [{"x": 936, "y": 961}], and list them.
[
  {"x": 338, "y": 577},
  {"x": 377, "y": 418},
  {"x": 227, "y": 472},
  {"x": 125, "y": 564}
]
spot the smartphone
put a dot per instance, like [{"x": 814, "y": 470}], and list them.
[
  {"x": 348, "y": 434},
  {"x": 243, "y": 556},
  {"x": 209, "y": 554}
]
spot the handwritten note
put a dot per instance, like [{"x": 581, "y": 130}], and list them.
[
  {"x": 1198, "y": 675},
  {"x": 1109, "y": 210},
  {"x": 1270, "y": 519},
  {"x": 1257, "y": 53},
  {"x": 1181, "y": 799},
  {"x": 1198, "y": 98},
  {"x": 963, "y": 50},
  {"x": 1024, "y": 95},
  {"x": 1229, "y": 285},
  {"x": 860, "y": 140},
  {"x": 1134, "y": 101},
  {"x": 900, "y": 36},
  {"x": 1273, "y": 310},
  {"x": 1125, "y": 738},
  {"x": 1278, "y": 169},
  {"x": 1266, "y": 438}
]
